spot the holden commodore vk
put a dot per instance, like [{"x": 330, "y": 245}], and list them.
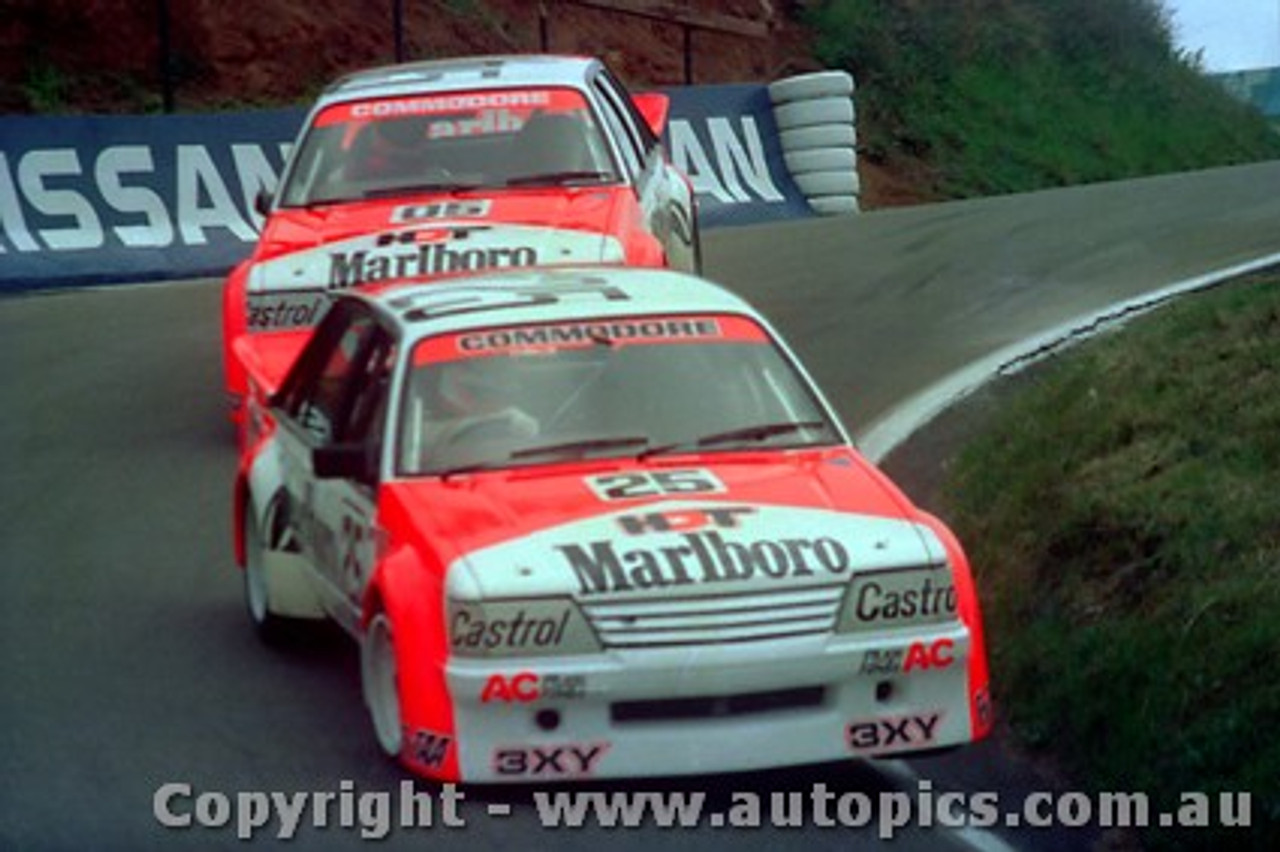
[
  {"x": 453, "y": 166},
  {"x": 598, "y": 522}
]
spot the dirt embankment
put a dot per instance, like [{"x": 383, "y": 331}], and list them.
[
  {"x": 106, "y": 56},
  {"x": 105, "y": 53}
]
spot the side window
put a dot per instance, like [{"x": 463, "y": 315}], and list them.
[
  {"x": 622, "y": 99},
  {"x": 614, "y": 120},
  {"x": 322, "y": 406},
  {"x": 368, "y": 406},
  {"x": 314, "y": 355},
  {"x": 316, "y": 164},
  {"x": 330, "y": 394}
]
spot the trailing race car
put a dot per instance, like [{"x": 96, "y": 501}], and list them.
[
  {"x": 453, "y": 166},
  {"x": 598, "y": 523}
]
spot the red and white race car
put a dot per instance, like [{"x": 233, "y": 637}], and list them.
[
  {"x": 453, "y": 166},
  {"x": 599, "y": 523}
]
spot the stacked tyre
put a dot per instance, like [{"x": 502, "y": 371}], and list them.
[{"x": 818, "y": 133}]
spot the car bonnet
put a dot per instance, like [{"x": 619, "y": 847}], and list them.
[
  {"x": 804, "y": 518},
  {"x": 344, "y": 245}
]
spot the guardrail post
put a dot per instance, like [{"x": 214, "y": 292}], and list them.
[
  {"x": 165, "y": 49},
  {"x": 397, "y": 27},
  {"x": 688, "y": 54},
  {"x": 688, "y": 20}
]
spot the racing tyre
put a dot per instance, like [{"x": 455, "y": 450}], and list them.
[
  {"x": 380, "y": 682},
  {"x": 821, "y": 160},
  {"x": 803, "y": 87},
  {"x": 789, "y": 116},
  {"x": 276, "y": 619},
  {"x": 843, "y": 182},
  {"x": 270, "y": 627},
  {"x": 818, "y": 136},
  {"x": 834, "y": 205}
]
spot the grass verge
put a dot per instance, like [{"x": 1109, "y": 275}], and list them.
[{"x": 1122, "y": 516}]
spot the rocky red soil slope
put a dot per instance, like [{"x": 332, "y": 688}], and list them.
[
  {"x": 248, "y": 51},
  {"x": 105, "y": 55}
]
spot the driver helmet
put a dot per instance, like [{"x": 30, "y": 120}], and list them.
[
  {"x": 402, "y": 134},
  {"x": 474, "y": 386}
]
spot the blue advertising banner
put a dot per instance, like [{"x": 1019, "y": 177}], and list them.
[
  {"x": 100, "y": 199},
  {"x": 724, "y": 138}
]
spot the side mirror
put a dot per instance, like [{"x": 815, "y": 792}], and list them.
[
  {"x": 345, "y": 461},
  {"x": 654, "y": 107},
  {"x": 262, "y": 202}
]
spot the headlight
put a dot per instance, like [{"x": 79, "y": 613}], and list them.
[
  {"x": 533, "y": 627},
  {"x": 899, "y": 597},
  {"x": 612, "y": 251}
]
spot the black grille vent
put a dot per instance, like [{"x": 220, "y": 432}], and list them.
[{"x": 717, "y": 706}]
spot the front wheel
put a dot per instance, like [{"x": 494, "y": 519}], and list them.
[
  {"x": 275, "y": 607},
  {"x": 381, "y": 683},
  {"x": 269, "y": 626}
]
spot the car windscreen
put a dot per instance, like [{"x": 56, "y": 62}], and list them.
[
  {"x": 388, "y": 147},
  {"x": 538, "y": 394}
]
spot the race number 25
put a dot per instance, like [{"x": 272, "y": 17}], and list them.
[{"x": 637, "y": 485}]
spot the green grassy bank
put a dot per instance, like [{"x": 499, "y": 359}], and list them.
[
  {"x": 1123, "y": 516},
  {"x": 996, "y": 96}
]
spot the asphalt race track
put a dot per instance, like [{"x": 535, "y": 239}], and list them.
[
  {"x": 885, "y": 305},
  {"x": 126, "y": 661}
]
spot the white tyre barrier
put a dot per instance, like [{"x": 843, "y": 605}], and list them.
[
  {"x": 844, "y": 182},
  {"x": 795, "y": 114},
  {"x": 807, "y": 87},
  {"x": 815, "y": 116},
  {"x": 821, "y": 160},
  {"x": 819, "y": 136},
  {"x": 834, "y": 205}
]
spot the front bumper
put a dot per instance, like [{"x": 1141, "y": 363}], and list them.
[{"x": 711, "y": 708}]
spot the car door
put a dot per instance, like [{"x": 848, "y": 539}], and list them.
[
  {"x": 332, "y": 415},
  {"x": 665, "y": 197}
]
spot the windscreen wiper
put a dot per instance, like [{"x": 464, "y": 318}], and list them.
[
  {"x": 758, "y": 432},
  {"x": 322, "y": 201},
  {"x": 561, "y": 178},
  {"x": 427, "y": 186},
  {"x": 580, "y": 447},
  {"x": 470, "y": 467},
  {"x": 572, "y": 448}
]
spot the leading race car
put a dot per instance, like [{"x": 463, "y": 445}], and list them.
[
  {"x": 599, "y": 523},
  {"x": 452, "y": 166}
]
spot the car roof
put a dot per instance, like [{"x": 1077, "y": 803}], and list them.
[
  {"x": 460, "y": 74},
  {"x": 550, "y": 294}
]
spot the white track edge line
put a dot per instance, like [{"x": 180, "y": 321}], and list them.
[{"x": 901, "y": 422}]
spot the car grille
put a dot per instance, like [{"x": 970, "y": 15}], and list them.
[
  {"x": 719, "y": 706},
  {"x": 749, "y": 617}
]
